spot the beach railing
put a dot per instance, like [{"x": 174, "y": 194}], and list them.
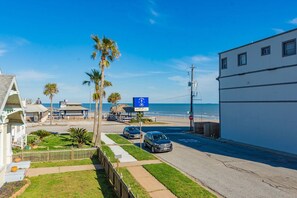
[
  {"x": 116, "y": 180},
  {"x": 56, "y": 155}
]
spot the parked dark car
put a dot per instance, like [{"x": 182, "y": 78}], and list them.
[
  {"x": 111, "y": 118},
  {"x": 157, "y": 142},
  {"x": 131, "y": 132}
]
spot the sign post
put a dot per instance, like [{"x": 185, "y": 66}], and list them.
[{"x": 140, "y": 104}]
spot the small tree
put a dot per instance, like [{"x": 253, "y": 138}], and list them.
[
  {"x": 50, "y": 90},
  {"x": 79, "y": 135},
  {"x": 139, "y": 116},
  {"x": 41, "y": 134}
]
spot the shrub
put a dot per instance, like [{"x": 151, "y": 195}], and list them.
[
  {"x": 79, "y": 135},
  {"x": 41, "y": 134}
]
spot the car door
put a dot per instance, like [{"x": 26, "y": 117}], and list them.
[{"x": 150, "y": 140}]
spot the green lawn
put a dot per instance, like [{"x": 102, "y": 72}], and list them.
[
  {"x": 94, "y": 160},
  {"x": 56, "y": 142},
  {"x": 176, "y": 182},
  {"x": 136, "y": 188},
  {"x": 138, "y": 153},
  {"x": 72, "y": 184},
  {"x": 118, "y": 139},
  {"x": 109, "y": 153}
]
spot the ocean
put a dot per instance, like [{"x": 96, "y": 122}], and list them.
[{"x": 205, "y": 111}]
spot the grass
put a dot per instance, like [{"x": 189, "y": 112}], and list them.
[
  {"x": 94, "y": 160},
  {"x": 72, "y": 184},
  {"x": 136, "y": 188},
  {"x": 8, "y": 189},
  {"x": 109, "y": 153},
  {"x": 118, "y": 139},
  {"x": 176, "y": 182},
  {"x": 138, "y": 153},
  {"x": 55, "y": 142}
]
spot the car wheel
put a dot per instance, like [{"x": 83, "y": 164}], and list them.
[{"x": 153, "y": 149}]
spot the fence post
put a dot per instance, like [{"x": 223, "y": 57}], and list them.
[
  {"x": 22, "y": 155},
  {"x": 72, "y": 153},
  {"x": 48, "y": 154}
]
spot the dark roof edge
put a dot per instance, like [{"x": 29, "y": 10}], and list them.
[{"x": 259, "y": 40}]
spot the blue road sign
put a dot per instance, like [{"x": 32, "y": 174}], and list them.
[{"x": 141, "y": 103}]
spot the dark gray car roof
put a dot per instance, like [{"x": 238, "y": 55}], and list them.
[{"x": 154, "y": 132}]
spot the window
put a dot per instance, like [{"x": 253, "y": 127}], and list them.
[
  {"x": 265, "y": 50},
  {"x": 289, "y": 47},
  {"x": 242, "y": 59},
  {"x": 224, "y": 63}
]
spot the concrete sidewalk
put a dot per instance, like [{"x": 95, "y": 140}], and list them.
[
  {"x": 150, "y": 183},
  {"x": 32, "y": 172},
  {"x": 117, "y": 150},
  {"x": 137, "y": 163}
]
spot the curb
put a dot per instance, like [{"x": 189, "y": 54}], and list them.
[{"x": 22, "y": 190}]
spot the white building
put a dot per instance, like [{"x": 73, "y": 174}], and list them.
[
  {"x": 258, "y": 93},
  {"x": 12, "y": 124}
]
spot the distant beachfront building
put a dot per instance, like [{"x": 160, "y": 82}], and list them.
[
  {"x": 12, "y": 126},
  {"x": 72, "y": 109},
  {"x": 36, "y": 113},
  {"x": 258, "y": 93}
]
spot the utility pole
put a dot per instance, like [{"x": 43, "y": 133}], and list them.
[{"x": 191, "y": 117}]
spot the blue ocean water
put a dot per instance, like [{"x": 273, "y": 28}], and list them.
[{"x": 207, "y": 111}]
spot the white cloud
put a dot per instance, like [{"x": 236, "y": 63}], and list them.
[
  {"x": 32, "y": 75},
  {"x": 152, "y": 21},
  {"x": 201, "y": 58},
  {"x": 3, "y": 49},
  {"x": 154, "y": 13},
  {"x": 278, "y": 30},
  {"x": 21, "y": 41},
  {"x": 2, "y": 52},
  {"x": 180, "y": 80},
  {"x": 199, "y": 61},
  {"x": 293, "y": 21}
]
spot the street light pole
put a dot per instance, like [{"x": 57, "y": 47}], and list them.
[{"x": 191, "y": 117}]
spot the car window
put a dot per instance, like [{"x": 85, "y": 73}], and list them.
[{"x": 159, "y": 137}]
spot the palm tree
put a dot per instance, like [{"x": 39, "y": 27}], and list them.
[
  {"x": 95, "y": 78},
  {"x": 113, "y": 98},
  {"x": 109, "y": 51},
  {"x": 79, "y": 135},
  {"x": 50, "y": 90}
]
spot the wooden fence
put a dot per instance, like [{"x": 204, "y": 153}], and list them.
[
  {"x": 56, "y": 155},
  {"x": 121, "y": 189}
]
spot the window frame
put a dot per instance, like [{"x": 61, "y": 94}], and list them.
[
  {"x": 283, "y": 47},
  {"x": 238, "y": 59},
  {"x": 222, "y": 61},
  {"x": 269, "y": 47}
]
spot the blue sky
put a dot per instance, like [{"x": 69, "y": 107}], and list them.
[{"x": 49, "y": 41}]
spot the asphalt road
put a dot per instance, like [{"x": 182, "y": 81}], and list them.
[{"x": 231, "y": 170}]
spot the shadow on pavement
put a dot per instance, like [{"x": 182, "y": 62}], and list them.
[{"x": 202, "y": 144}]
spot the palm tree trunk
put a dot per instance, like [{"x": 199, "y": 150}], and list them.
[
  {"x": 98, "y": 138},
  {"x": 51, "y": 120},
  {"x": 95, "y": 132}
]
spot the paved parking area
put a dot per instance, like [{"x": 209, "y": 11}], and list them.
[{"x": 231, "y": 170}]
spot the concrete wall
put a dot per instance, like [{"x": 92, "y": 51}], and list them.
[{"x": 260, "y": 108}]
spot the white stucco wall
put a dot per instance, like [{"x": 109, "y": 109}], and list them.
[{"x": 260, "y": 108}]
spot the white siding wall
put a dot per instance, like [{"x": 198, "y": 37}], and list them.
[
  {"x": 261, "y": 109},
  {"x": 267, "y": 125}
]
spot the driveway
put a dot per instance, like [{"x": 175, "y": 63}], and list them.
[{"x": 231, "y": 170}]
